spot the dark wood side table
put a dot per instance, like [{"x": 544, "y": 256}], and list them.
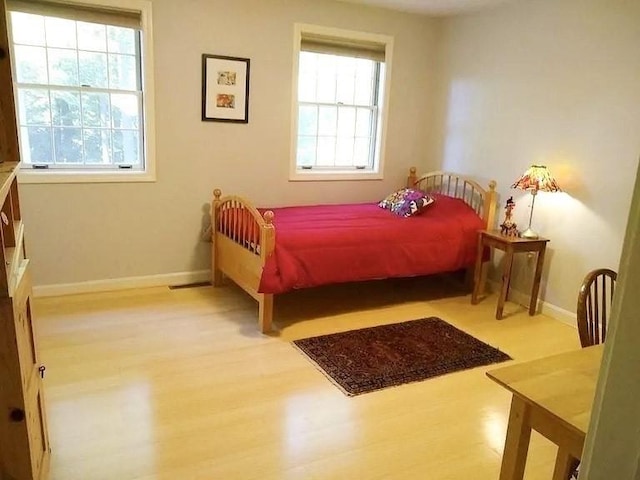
[{"x": 510, "y": 245}]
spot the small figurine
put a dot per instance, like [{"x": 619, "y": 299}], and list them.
[{"x": 508, "y": 227}]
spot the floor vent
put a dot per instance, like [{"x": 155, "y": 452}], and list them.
[{"x": 190, "y": 285}]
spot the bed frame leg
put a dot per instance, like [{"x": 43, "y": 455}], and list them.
[
  {"x": 265, "y": 312},
  {"x": 469, "y": 278}
]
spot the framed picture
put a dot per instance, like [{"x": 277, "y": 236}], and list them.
[{"x": 225, "y": 89}]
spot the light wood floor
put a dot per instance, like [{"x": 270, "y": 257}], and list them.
[{"x": 178, "y": 384}]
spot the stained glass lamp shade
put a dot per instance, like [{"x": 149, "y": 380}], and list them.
[{"x": 536, "y": 179}]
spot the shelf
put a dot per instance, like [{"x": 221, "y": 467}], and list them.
[
  {"x": 8, "y": 171},
  {"x": 14, "y": 257},
  {"x": 16, "y": 278}
]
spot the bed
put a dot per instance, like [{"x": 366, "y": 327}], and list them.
[{"x": 267, "y": 252}]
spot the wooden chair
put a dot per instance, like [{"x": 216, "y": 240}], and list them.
[{"x": 594, "y": 305}]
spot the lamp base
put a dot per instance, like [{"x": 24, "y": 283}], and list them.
[{"x": 528, "y": 233}]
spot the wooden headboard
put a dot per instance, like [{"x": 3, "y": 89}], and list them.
[{"x": 482, "y": 200}]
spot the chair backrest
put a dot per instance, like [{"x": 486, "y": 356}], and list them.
[{"x": 594, "y": 305}]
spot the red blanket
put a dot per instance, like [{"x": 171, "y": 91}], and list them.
[{"x": 325, "y": 244}]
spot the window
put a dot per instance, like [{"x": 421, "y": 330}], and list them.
[
  {"x": 82, "y": 90},
  {"x": 341, "y": 84}
]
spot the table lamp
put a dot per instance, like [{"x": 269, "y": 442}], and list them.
[{"x": 536, "y": 179}]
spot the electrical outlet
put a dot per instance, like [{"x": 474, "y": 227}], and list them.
[{"x": 531, "y": 259}]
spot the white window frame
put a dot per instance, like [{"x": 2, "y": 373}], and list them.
[
  {"x": 376, "y": 173},
  {"x": 148, "y": 174}
]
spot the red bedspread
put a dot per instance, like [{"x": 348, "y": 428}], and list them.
[{"x": 325, "y": 244}]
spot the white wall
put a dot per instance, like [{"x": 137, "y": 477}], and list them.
[
  {"x": 78, "y": 233},
  {"x": 552, "y": 82}
]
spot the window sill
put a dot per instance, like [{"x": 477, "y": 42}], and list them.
[
  {"x": 319, "y": 176},
  {"x": 31, "y": 176}
]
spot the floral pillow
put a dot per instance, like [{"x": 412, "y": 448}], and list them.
[{"x": 406, "y": 202}]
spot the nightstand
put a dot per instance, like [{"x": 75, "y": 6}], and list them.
[{"x": 510, "y": 245}]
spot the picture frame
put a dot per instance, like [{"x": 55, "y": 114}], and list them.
[{"x": 225, "y": 89}]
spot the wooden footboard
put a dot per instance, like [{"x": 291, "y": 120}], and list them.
[
  {"x": 242, "y": 239},
  {"x": 483, "y": 201}
]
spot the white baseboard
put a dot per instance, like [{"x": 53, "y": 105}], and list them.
[
  {"x": 549, "y": 309},
  {"x": 166, "y": 279},
  {"x": 184, "y": 278}
]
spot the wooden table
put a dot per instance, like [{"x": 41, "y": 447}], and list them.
[
  {"x": 510, "y": 245},
  {"x": 553, "y": 396}
]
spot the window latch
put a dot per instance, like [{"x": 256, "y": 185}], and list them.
[
  {"x": 306, "y": 167},
  {"x": 125, "y": 167},
  {"x": 40, "y": 167}
]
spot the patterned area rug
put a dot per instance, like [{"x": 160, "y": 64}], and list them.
[{"x": 369, "y": 359}]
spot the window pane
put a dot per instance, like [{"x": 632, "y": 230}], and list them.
[
  {"x": 121, "y": 40},
  {"x": 27, "y": 28},
  {"x": 122, "y": 72},
  {"x": 89, "y": 110},
  {"x": 126, "y": 147},
  {"x": 36, "y": 144},
  {"x": 361, "y": 152},
  {"x": 326, "y": 88},
  {"x": 364, "y": 67},
  {"x": 327, "y": 124},
  {"x": 344, "y": 151},
  {"x": 308, "y": 63},
  {"x": 97, "y": 146},
  {"x": 346, "y": 79},
  {"x": 306, "y": 88},
  {"x": 306, "y": 151},
  {"x": 96, "y": 111},
  {"x": 326, "y": 151},
  {"x": 346, "y": 121},
  {"x": 31, "y": 64},
  {"x": 63, "y": 67},
  {"x": 363, "y": 122},
  {"x": 307, "y": 77},
  {"x": 60, "y": 32},
  {"x": 124, "y": 111},
  {"x": 68, "y": 145},
  {"x": 65, "y": 108},
  {"x": 92, "y": 36},
  {"x": 363, "y": 91},
  {"x": 346, "y": 66},
  {"x": 33, "y": 106},
  {"x": 343, "y": 107},
  {"x": 327, "y": 64},
  {"x": 364, "y": 82},
  {"x": 345, "y": 92},
  {"x": 326, "y": 78},
  {"x": 308, "y": 120},
  {"x": 93, "y": 69}
]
